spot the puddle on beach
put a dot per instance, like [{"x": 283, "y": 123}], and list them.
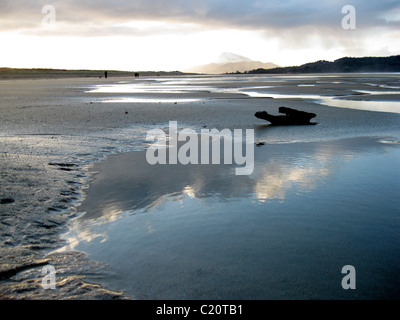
[{"x": 283, "y": 232}]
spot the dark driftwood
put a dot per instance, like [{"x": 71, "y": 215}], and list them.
[{"x": 291, "y": 117}]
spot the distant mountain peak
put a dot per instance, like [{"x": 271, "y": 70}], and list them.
[
  {"x": 229, "y": 62},
  {"x": 228, "y": 57}
]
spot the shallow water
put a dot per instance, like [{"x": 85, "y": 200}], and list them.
[
  {"x": 284, "y": 232},
  {"x": 324, "y": 89}
]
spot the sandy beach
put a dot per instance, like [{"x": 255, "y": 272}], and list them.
[{"x": 78, "y": 193}]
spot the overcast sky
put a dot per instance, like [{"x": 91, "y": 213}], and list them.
[{"x": 179, "y": 34}]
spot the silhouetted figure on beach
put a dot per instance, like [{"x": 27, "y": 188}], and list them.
[
  {"x": 105, "y": 74},
  {"x": 136, "y": 75}
]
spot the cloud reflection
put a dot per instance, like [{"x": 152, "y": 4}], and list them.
[{"x": 125, "y": 184}]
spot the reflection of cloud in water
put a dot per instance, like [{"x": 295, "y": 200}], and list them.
[
  {"x": 126, "y": 182},
  {"x": 81, "y": 231},
  {"x": 126, "y": 185},
  {"x": 275, "y": 180}
]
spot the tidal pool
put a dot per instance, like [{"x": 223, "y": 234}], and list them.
[{"x": 283, "y": 232}]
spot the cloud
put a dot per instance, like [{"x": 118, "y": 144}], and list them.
[
  {"x": 286, "y": 32},
  {"x": 272, "y": 15}
]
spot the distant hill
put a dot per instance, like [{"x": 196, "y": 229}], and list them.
[
  {"x": 343, "y": 65},
  {"x": 230, "y": 63}
]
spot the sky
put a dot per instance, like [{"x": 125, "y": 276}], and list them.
[{"x": 160, "y": 35}]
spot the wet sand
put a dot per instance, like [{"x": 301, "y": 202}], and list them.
[{"x": 53, "y": 131}]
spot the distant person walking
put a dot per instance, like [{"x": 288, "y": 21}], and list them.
[{"x": 105, "y": 74}]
